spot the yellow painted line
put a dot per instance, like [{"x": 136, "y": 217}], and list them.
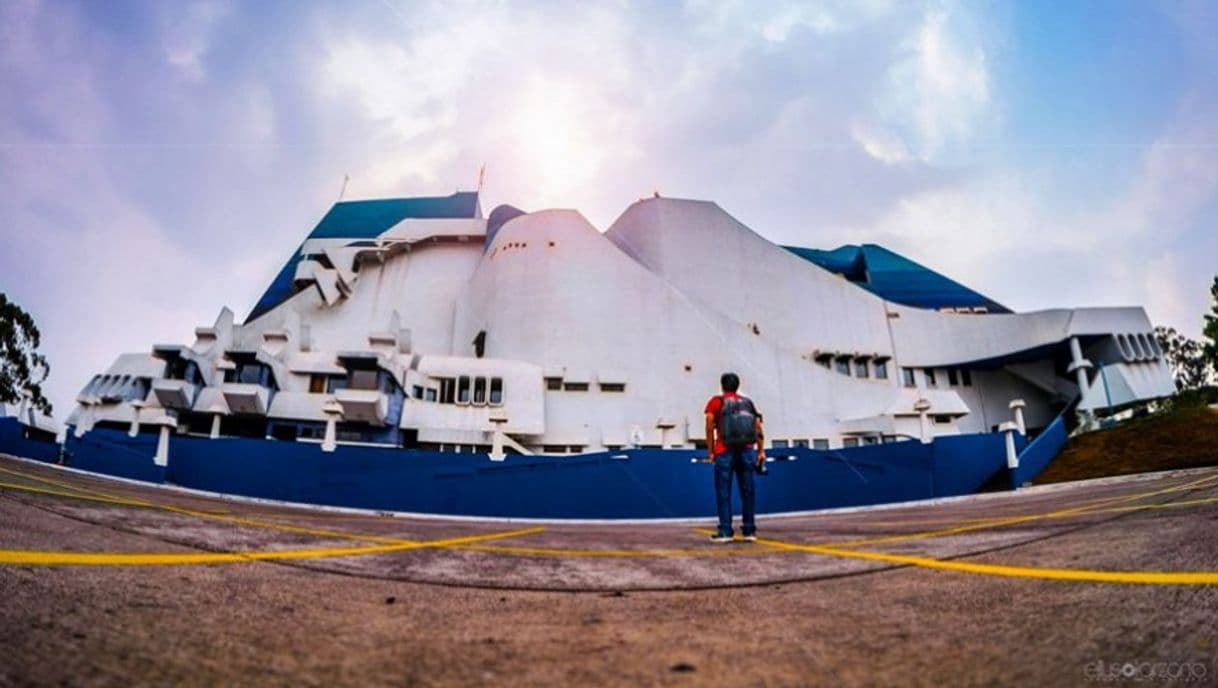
[
  {"x": 63, "y": 493},
  {"x": 43, "y": 558},
  {"x": 290, "y": 528},
  {"x": 1012, "y": 520},
  {"x": 620, "y": 553},
  {"x": 1042, "y": 573}
]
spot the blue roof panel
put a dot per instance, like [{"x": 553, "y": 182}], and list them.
[{"x": 896, "y": 278}]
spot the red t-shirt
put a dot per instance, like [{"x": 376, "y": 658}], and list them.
[{"x": 715, "y": 406}]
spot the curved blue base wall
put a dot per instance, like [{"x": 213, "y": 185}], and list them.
[
  {"x": 13, "y": 441},
  {"x": 634, "y": 484}
]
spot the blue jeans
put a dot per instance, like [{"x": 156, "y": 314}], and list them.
[{"x": 739, "y": 462}]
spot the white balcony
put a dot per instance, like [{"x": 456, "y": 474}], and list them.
[
  {"x": 363, "y": 405},
  {"x": 246, "y": 398},
  {"x": 174, "y": 394}
]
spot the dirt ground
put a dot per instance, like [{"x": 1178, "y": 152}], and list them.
[{"x": 544, "y": 604}]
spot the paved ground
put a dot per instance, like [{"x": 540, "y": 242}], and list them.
[{"x": 107, "y": 583}]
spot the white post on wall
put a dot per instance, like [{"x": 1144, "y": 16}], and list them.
[
  {"x": 135, "y": 418},
  {"x": 922, "y": 406},
  {"x": 333, "y": 410},
  {"x": 215, "y": 426},
  {"x": 162, "y": 447},
  {"x": 1017, "y": 406},
  {"x": 1079, "y": 366},
  {"x": 1009, "y": 429},
  {"x": 497, "y": 453}
]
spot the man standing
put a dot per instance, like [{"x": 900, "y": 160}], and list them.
[{"x": 733, "y": 429}]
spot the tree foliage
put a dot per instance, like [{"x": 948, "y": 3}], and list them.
[
  {"x": 1186, "y": 357},
  {"x": 22, "y": 368},
  {"x": 1210, "y": 329}
]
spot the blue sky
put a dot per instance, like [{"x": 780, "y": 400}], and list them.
[{"x": 158, "y": 160}]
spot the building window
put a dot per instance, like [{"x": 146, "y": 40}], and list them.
[
  {"x": 779, "y": 444},
  {"x": 431, "y": 394},
  {"x": 575, "y": 386},
  {"x": 480, "y": 391},
  {"x": 417, "y": 392},
  {"x": 553, "y": 383},
  {"x": 448, "y": 390},
  {"x": 361, "y": 379},
  {"x": 463, "y": 389},
  {"x": 881, "y": 370},
  {"x": 799, "y": 443},
  {"x": 496, "y": 391},
  {"x": 942, "y": 419},
  {"x": 613, "y": 387},
  {"x": 843, "y": 365},
  {"x": 554, "y": 449},
  {"x": 966, "y": 377},
  {"x": 871, "y": 439},
  {"x": 907, "y": 377},
  {"x": 861, "y": 369},
  {"x": 317, "y": 384},
  {"x": 952, "y": 378},
  {"x": 850, "y": 441},
  {"x": 930, "y": 376},
  {"x": 820, "y": 443}
]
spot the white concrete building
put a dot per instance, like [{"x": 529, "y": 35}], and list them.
[{"x": 420, "y": 323}]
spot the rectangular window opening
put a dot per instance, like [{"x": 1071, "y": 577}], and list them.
[
  {"x": 317, "y": 384},
  {"x": 496, "y": 397}
]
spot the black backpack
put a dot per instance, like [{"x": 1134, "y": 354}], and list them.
[{"x": 738, "y": 421}]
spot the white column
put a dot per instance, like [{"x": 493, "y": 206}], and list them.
[
  {"x": 333, "y": 411},
  {"x": 162, "y": 447},
  {"x": 215, "y": 426},
  {"x": 1009, "y": 429},
  {"x": 497, "y": 418},
  {"x": 330, "y": 442},
  {"x": 1079, "y": 366},
  {"x": 1017, "y": 407},
  {"x": 922, "y": 406},
  {"x": 135, "y": 418}
]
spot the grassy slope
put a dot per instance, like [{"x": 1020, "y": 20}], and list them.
[{"x": 1183, "y": 438}]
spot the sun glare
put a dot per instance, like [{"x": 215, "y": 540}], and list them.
[{"x": 554, "y": 141}]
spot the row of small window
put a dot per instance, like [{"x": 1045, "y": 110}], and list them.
[
  {"x": 556, "y": 384},
  {"x": 955, "y": 377},
  {"x": 861, "y": 367},
  {"x": 464, "y": 390}
]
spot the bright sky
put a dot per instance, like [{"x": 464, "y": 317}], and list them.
[{"x": 159, "y": 160}]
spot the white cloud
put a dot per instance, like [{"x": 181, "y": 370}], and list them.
[
  {"x": 939, "y": 90},
  {"x": 187, "y": 38},
  {"x": 881, "y": 144}
]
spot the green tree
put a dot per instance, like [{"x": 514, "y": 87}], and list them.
[
  {"x": 1210, "y": 329},
  {"x": 1185, "y": 357},
  {"x": 22, "y": 368}
]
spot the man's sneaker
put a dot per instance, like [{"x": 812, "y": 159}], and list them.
[
  {"x": 750, "y": 538},
  {"x": 721, "y": 538}
]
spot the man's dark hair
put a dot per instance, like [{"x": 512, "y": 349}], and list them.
[{"x": 730, "y": 382}]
